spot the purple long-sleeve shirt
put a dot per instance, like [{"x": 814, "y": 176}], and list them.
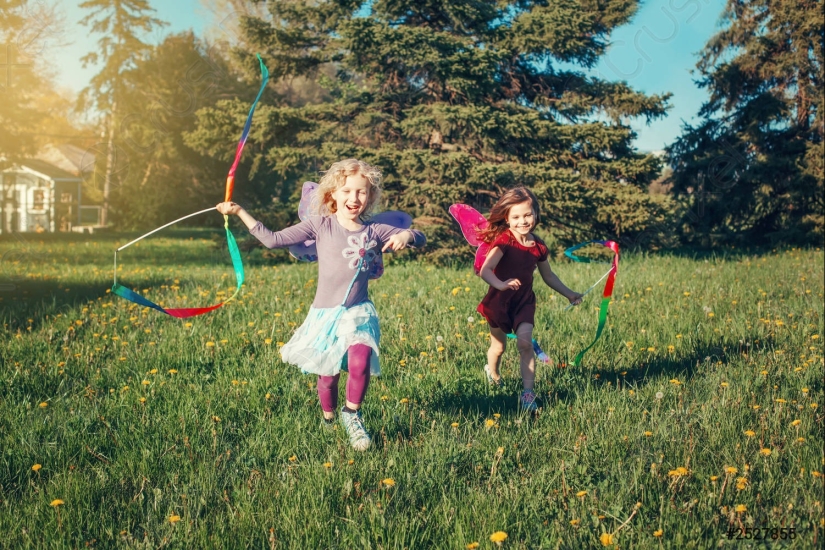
[{"x": 339, "y": 252}]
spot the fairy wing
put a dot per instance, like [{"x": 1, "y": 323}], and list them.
[
  {"x": 472, "y": 223},
  {"x": 395, "y": 218},
  {"x": 305, "y": 251}
]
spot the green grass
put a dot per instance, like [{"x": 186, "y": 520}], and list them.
[{"x": 228, "y": 437}]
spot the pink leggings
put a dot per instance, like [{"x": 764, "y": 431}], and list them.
[{"x": 358, "y": 363}]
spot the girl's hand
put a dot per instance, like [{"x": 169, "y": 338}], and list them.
[
  {"x": 229, "y": 208},
  {"x": 510, "y": 284},
  {"x": 397, "y": 241},
  {"x": 575, "y": 298}
]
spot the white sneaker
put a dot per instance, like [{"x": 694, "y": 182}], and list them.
[
  {"x": 357, "y": 432},
  {"x": 528, "y": 401}
]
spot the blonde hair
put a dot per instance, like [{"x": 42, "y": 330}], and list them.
[{"x": 322, "y": 202}]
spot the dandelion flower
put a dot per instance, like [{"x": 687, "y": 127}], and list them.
[
  {"x": 575, "y": 522},
  {"x": 648, "y": 434},
  {"x": 389, "y": 482},
  {"x": 43, "y": 405},
  {"x": 659, "y": 395},
  {"x": 57, "y": 502},
  {"x": 472, "y": 546},
  {"x": 796, "y": 422},
  {"x": 489, "y": 422},
  {"x": 174, "y": 518},
  {"x": 454, "y": 424},
  {"x": 714, "y": 478},
  {"x": 404, "y": 401},
  {"x": 606, "y": 539},
  {"x": 293, "y": 458},
  {"x": 741, "y": 508},
  {"x": 36, "y": 467},
  {"x": 498, "y": 537},
  {"x": 327, "y": 465},
  {"x": 658, "y": 533},
  {"x": 581, "y": 494},
  {"x": 732, "y": 470},
  {"x": 765, "y": 451},
  {"x": 750, "y": 433}
]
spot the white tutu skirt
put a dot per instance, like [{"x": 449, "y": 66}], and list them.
[{"x": 320, "y": 343}]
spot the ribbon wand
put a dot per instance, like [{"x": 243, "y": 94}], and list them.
[{"x": 586, "y": 292}]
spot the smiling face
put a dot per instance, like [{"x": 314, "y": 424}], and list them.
[
  {"x": 521, "y": 218},
  {"x": 351, "y": 198}
]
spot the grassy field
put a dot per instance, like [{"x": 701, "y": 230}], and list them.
[{"x": 700, "y": 410}]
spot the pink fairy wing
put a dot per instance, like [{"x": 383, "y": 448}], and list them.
[
  {"x": 307, "y": 189},
  {"x": 304, "y": 252},
  {"x": 481, "y": 255},
  {"x": 470, "y": 221},
  {"x": 395, "y": 218}
]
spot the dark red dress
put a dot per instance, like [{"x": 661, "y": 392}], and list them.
[{"x": 507, "y": 309}]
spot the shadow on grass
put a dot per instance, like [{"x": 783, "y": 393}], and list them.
[{"x": 470, "y": 397}]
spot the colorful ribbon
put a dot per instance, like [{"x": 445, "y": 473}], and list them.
[
  {"x": 608, "y": 287},
  {"x": 235, "y": 254}
]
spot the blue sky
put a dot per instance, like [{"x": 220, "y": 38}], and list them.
[{"x": 654, "y": 53}]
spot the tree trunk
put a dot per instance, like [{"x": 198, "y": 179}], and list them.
[{"x": 110, "y": 159}]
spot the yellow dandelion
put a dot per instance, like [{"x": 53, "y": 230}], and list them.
[
  {"x": 36, "y": 467},
  {"x": 765, "y": 451},
  {"x": 741, "y": 508},
  {"x": 471, "y": 546},
  {"x": 389, "y": 482},
  {"x": 648, "y": 434},
  {"x": 404, "y": 400},
  {"x": 174, "y": 518},
  {"x": 714, "y": 478},
  {"x": 724, "y": 384},
  {"x": 57, "y": 502},
  {"x": 675, "y": 382},
  {"x": 796, "y": 422},
  {"x": 293, "y": 458},
  {"x": 327, "y": 465},
  {"x": 658, "y": 533},
  {"x": 575, "y": 522},
  {"x": 173, "y": 371},
  {"x": 454, "y": 424},
  {"x": 606, "y": 539},
  {"x": 750, "y": 433},
  {"x": 210, "y": 344},
  {"x": 489, "y": 422},
  {"x": 732, "y": 470},
  {"x": 43, "y": 405},
  {"x": 498, "y": 537},
  {"x": 581, "y": 494}
]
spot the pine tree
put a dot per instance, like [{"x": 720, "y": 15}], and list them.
[
  {"x": 120, "y": 47},
  {"x": 752, "y": 169},
  {"x": 20, "y": 81},
  {"x": 158, "y": 100},
  {"x": 456, "y": 100}
]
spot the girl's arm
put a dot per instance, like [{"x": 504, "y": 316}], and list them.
[
  {"x": 397, "y": 238},
  {"x": 490, "y": 264},
  {"x": 552, "y": 280},
  {"x": 235, "y": 209},
  {"x": 296, "y": 234}
]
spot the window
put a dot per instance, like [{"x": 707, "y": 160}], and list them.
[
  {"x": 65, "y": 197},
  {"x": 38, "y": 199}
]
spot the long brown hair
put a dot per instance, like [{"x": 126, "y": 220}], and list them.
[{"x": 497, "y": 221}]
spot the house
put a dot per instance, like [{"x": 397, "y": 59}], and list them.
[{"x": 37, "y": 195}]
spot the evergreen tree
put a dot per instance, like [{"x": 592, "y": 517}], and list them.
[
  {"x": 752, "y": 169},
  {"x": 120, "y": 48},
  {"x": 158, "y": 100},
  {"x": 455, "y": 100},
  {"x": 20, "y": 82}
]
